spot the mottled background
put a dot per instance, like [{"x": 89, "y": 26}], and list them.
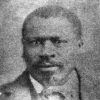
[{"x": 12, "y": 15}]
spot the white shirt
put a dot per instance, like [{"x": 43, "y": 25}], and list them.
[{"x": 38, "y": 87}]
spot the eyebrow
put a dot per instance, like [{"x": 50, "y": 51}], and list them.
[{"x": 42, "y": 38}]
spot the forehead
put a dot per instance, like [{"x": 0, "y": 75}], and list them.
[{"x": 39, "y": 27}]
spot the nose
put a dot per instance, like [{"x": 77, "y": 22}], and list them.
[{"x": 48, "y": 50}]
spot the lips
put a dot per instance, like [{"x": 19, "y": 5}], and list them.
[
  {"x": 49, "y": 64},
  {"x": 46, "y": 65}
]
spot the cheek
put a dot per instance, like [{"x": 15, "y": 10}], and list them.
[
  {"x": 66, "y": 50},
  {"x": 33, "y": 53}
]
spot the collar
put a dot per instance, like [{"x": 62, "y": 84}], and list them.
[{"x": 38, "y": 87}]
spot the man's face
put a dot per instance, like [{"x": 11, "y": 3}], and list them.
[{"x": 49, "y": 46}]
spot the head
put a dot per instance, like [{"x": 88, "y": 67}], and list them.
[{"x": 51, "y": 35}]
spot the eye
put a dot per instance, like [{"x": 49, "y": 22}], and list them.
[
  {"x": 35, "y": 42},
  {"x": 64, "y": 41},
  {"x": 56, "y": 41}
]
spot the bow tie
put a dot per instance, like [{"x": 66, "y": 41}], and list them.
[{"x": 68, "y": 91}]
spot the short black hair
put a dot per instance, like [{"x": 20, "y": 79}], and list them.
[{"x": 54, "y": 11}]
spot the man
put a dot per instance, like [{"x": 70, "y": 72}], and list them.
[{"x": 51, "y": 36}]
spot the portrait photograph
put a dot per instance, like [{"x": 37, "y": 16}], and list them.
[{"x": 49, "y": 49}]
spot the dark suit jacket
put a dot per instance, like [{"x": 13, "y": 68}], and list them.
[
  {"x": 20, "y": 89},
  {"x": 23, "y": 89}
]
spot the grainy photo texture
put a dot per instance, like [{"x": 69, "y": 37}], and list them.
[{"x": 49, "y": 50}]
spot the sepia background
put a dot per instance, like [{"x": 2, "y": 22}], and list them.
[{"x": 12, "y": 15}]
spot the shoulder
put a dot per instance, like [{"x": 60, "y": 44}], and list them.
[{"x": 16, "y": 89}]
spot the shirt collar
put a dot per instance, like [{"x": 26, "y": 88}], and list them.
[{"x": 38, "y": 87}]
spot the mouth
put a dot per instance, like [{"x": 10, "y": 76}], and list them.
[{"x": 49, "y": 65}]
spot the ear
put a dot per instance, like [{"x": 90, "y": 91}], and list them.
[{"x": 80, "y": 43}]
